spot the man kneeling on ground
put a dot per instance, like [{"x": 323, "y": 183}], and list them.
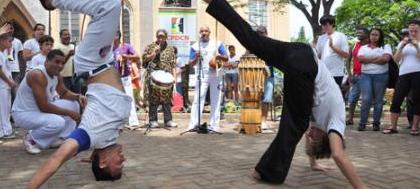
[{"x": 45, "y": 106}]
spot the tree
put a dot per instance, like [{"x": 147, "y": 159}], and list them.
[
  {"x": 389, "y": 15},
  {"x": 301, "y": 36},
  {"x": 309, "y": 8}
]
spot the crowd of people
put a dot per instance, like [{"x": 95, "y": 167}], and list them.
[
  {"x": 53, "y": 80},
  {"x": 371, "y": 61}
]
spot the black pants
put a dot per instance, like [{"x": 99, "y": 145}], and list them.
[
  {"x": 73, "y": 85},
  {"x": 297, "y": 107},
  {"x": 296, "y": 61},
  {"x": 153, "y": 114},
  {"x": 407, "y": 83}
]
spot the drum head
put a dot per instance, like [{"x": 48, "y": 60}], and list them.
[{"x": 162, "y": 77}]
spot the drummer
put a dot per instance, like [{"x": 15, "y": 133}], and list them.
[{"x": 159, "y": 56}]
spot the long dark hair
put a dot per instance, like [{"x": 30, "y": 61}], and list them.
[{"x": 381, "y": 41}]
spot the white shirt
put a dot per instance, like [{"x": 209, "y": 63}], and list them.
[
  {"x": 232, "y": 60},
  {"x": 25, "y": 99},
  {"x": 68, "y": 67},
  {"x": 409, "y": 62},
  {"x": 32, "y": 45},
  {"x": 208, "y": 51},
  {"x": 333, "y": 61},
  {"x": 37, "y": 60},
  {"x": 5, "y": 68},
  {"x": 369, "y": 52},
  {"x": 328, "y": 109},
  {"x": 179, "y": 65},
  {"x": 14, "y": 53}
]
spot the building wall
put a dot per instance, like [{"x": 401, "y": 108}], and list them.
[{"x": 144, "y": 21}]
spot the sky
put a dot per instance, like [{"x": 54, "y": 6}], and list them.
[{"x": 299, "y": 20}]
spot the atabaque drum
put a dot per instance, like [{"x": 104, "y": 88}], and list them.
[
  {"x": 161, "y": 80},
  {"x": 252, "y": 75}
]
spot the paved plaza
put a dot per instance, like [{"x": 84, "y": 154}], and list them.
[{"x": 163, "y": 159}]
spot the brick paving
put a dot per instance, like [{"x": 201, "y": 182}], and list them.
[{"x": 163, "y": 159}]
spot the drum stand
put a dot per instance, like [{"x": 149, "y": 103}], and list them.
[{"x": 200, "y": 128}]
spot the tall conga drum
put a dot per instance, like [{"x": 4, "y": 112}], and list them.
[{"x": 252, "y": 74}]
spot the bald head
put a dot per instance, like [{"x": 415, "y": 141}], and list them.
[{"x": 204, "y": 33}]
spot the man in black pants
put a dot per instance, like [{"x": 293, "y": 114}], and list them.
[{"x": 308, "y": 89}]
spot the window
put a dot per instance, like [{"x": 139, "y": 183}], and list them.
[
  {"x": 177, "y": 3},
  {"x": 70, "y": 21},
  {"x": 257, "y": 12}
]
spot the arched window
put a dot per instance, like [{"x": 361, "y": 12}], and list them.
[
  {"x": 71, "y": 21},
  {"x": 258, "y": 12},
  {"x": 177, "y": 3}
]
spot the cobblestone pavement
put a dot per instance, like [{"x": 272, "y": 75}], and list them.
[{"x": 163, "y": 159}]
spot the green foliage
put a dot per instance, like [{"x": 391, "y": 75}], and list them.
[
  {"x": 301, "y": 36},
  {"x": 389, "y": 15}
]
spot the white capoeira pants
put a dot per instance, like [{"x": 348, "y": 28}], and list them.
[
  {"x": 5, "y": 106},
  {"x": 133, "y": 119},
  {"x": 96, "y": 47},
  {"x": 46, "y": 128},
  {"x": 215, "y": 84}
]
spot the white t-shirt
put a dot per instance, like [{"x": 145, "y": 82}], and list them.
[
  {"x": 328, "y": 109},
  {"x": 232, "y": 60},
  {"x": 37, "y": 60},
  {"x": 179, "y": 65},
  {"x": 6, "y": 70},
  {"x": 25, "y": 99},
  {"x": 14, "y": 53},
  {"x": 333, "y": 61},
  {"x": 32, "y": 45},
  {"x": 369, "y": 52},
  {"x": 409, "y": 62},
  {"x": 68, "y": 67}
]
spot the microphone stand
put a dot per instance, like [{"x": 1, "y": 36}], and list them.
[{"x": 200, "y": 128}]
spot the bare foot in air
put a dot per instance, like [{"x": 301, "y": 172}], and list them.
[{"x": 320, "y": 167}]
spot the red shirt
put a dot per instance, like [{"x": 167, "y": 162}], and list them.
[{"x": 357, "y": 67}]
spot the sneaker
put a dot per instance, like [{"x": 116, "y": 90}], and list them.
[
  {"x": 30, "y": 145},
  {"x": 153, "y": 124},
  {"x": 361, "y": 128},
  {"x": 171, "y": 124},
  {"x": 57, "y": 143},
  {"x": 376, "y": 128},
  {"x": 11, "y": 136}
]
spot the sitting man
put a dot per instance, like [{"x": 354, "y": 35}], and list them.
[
  {"x": 308, "y": 89},
  {"x": 45, "y": 107},
  {"x": 108, "y": 107}
]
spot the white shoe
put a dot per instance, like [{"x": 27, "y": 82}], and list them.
[
  {"x": 11, "y": 136},
  {"x": 30, "y": 148},
  {"x": 57, "y": 143},
  {"x": 153, "y": 124},
  {"x": 171, "y": 124}
]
